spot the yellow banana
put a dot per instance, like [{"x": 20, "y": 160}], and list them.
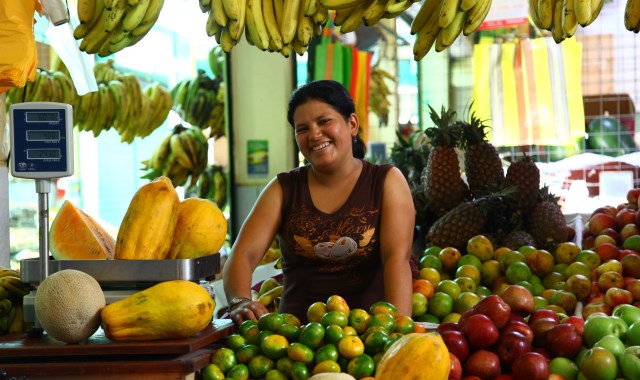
[
  {"x": 232, "y": 8},
  {"x": 448, "y": 12},
  {"x": 17, "y": 323},
  {"x": 557, "y": 30},
  {"x": 427, "y": 9},
  {"x": 465, "y": 5},
  {"x": 5, "y": 306},
  {"x": 426, "y": 37},
  {"x": 278, "y": 10},
  {"x": 340, "y": 4},
  {"x": 269, "y": 297},
  {"x": 289, "y": 25},
  {"x": 218, "y": 14},
  {"x": 354, "y": 20},
  {"x": 310, "y": 7},
  {"x": 9, "y": 272},
  {"x": 546, "y": 9},
  {"x": 270, "y": 22},
  {"x": 255, "y": 7},
  {"x": 109, "y": 4},
  {"x": 115, "y": 15},
  {"x": 374, "y": 12},
  {"x": 268, "y": 284},
  {"x": 236, "y": 27},
  {"x": 150, "y": 17},
  {"x": 475, "y": 16},
  {"x": 320, "y": 17},
  {"x": 4, "y": 293},
  {"x": 569, "y": 21},
  {"x": 134, "y": 15},
  {"x": 533, "y": 13},
  {"x": 449, "y": 34},
  {"x": 395, "y": 8},
  {"x": 596, "y": 7},
  {"x": 15, "y": 286},
  {"x": 632, "y": 14},
  {"x": 304, "y": 31},
  {"x": 85, "y": 10},
  {"x": 205, "y": 5},
  {"x": 582, "y": 9}
]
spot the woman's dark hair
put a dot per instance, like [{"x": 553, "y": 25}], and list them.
[{"x": 332, "y": 93}]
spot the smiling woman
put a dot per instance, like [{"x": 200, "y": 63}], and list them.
[{"x": 342, "y": 221}]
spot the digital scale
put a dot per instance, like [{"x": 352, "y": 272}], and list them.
[{"x": 42, "y": 149}]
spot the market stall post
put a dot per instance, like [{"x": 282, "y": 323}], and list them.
[
  {"x": 261, "y": 141},
  {"x": 4, "y": 185}
]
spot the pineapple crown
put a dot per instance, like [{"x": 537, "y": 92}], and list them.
[
  {"x": 498, "y": 205},
  {"x": 544, "y": 195},
  {"x": 446, "y": 132},
  {"x": 473, "y": 131}
]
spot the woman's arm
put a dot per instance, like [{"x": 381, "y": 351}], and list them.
[
  {"x": 396, "y": 238},
  {"x": 255, "y": 237}
]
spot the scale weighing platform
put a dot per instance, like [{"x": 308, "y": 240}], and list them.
[{"x": 42, "y": 149}]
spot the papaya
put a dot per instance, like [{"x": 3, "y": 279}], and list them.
[
  {"x": 147, "y": 228},
  {"x": 201, "y": 229},
  {"x": 168, "y": 310},
  {"x": 415, "y": 356},
  {"x": 74, "y": 235}
]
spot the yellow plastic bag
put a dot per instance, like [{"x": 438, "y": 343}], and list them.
[
  {"x": 530, "y": 91},
  {"x": 18, "y": 60}
]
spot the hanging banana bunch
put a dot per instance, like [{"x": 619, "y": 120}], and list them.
[
  {"x": 562, "y": 17},
  {"x": 108, "y": 26},
  {"x": 439, "y": 23},
  {"x": 379, "y": 94},
  {"x": 201, "y": 102},
  {"x": 182, "y": 155},
  {"x": 283, "y": 26},
  {"x": 212, "y": 184}
]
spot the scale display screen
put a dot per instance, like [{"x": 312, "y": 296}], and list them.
[
  {"x": 43, "y": 154},
  {"x": 41, "y": 140},
  {"x": 36, "y": 135},
  {"x": 39, "y": 117}
]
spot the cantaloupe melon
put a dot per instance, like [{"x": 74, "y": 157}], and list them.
[
  {"x": 68, "y": 305},
  {"x": 74, "y": 235}
]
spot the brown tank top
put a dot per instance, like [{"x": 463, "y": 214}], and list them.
[{"x": 326, "y": 254}]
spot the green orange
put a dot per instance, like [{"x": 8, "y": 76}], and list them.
[
  {"x": 375, "y": 342},
  {"x": 245, "y": 326},
  {"x": 383, "y": 307},
  {"x": 385, "y": 320},
  {"x": 350, "y": 347},
  {"x": 246, "y": 353},
  {"x": 404, "y": 324},
  {"x": 299, "y": 371},
  {"x": 274, "y": 346},
  {"x": 361, "y": 366},
  {"x": 212, "y": 372},
  {"x": 234, "y": 342},
  {"x": 430, "y": 261},
  {"x": 331, "y": 366},
  {"x": 291, "y": 319},
  {"x": 333, "y": 334},
  {"x": 334, "y": 318},
  {"x": 291, "y": 332},
  {"x": 326, "y": 352},
  {"x": 238, "y": 372},
  {"x": 299, "y": 352},
  {"x": 434, "y": 250},
  {"x": 270, "y": 321},
  {"x": 315, "y": 311},
  {"x": 276, "y": 374},
  {"x": 259, "y": 366},
  {"x": 359, "y": 320},
  {"x": 284, "y": 364},
  {"x": 337, "y": 303},
  {"x": 312, "y": 335},
  {"x": 224, "y": 358}
]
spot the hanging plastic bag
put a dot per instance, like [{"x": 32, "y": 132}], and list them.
[{"x": 18, "y": 60}]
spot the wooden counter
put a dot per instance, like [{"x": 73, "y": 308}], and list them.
[{"x": 100, "y": 358}]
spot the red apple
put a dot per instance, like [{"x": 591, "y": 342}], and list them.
[
  {"x": 607, "y": 251},
  {"x": 543, "y": 313},
  {"x": 588, "y": 241},
  {"x": 455, "y": 373},
  {"x": 633, "y": 195},
  {"x": 540, "y": 328},
  {"x": 511, "y": 346},
  {"x": 480, "y": 331},
  {"x": 634, "y": 287},
  {"x": 609, "y": 280},
  {"x": 531, "y": 366},
  {"x": 492, "y": 306},
  {"x": 617, "y": 296},
  {"x": 519, "y": 299},
  {"x": 628, "y": 231},
  {"x": 626, "y": 252},
  {"x": 577, "y": 322},
  {"x": 596, "y": 307},
  {"x": 624, "y": 217},
  {"x": 456, "y": 343},
  {"x": 563, "y": 340},
  {"x": 544, "y": 352},
  {"x": 631, "y": 265},
  {"x": 516, "y": 317},
  {"x": 482, "y": 363},
  {"x": 610, "y": 232},
  {"x": 447, "y": 326},
  {"x": 601, "y": 221},
  {"x": 521, "y": 327}
]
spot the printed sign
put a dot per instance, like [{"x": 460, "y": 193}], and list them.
[{"x": 257, "y": 158}]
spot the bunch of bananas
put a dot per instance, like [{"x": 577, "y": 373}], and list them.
[
  {"x": 121, "y": 103},
  {"x": 108, "y": 26},
  {"x": 440, "y": 22},
  {"x": 562, "y": 17},
  {"x": 12, "y": 291},
  {"x": 350, "y": 14},
  {"x": 48, "y": 86},
  {"x": 379, "y": 93},
  {"x": 201, "y": 101},
  {"x": 632, "y": 16},
  {"x": 212, "y": 184},
  {"x": 269, "y": 293},
  {"x": 181, "y": 155},
  {"x": 271, "y": 25}
]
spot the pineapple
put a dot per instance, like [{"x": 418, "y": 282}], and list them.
[
  {"x": 482, "y": 163},
  {"x": 443, "y": 186},
  {"x": 525, "y": 175},
  {"x": 516, "y": 239},
  {"x": 547, "y": 223}
]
